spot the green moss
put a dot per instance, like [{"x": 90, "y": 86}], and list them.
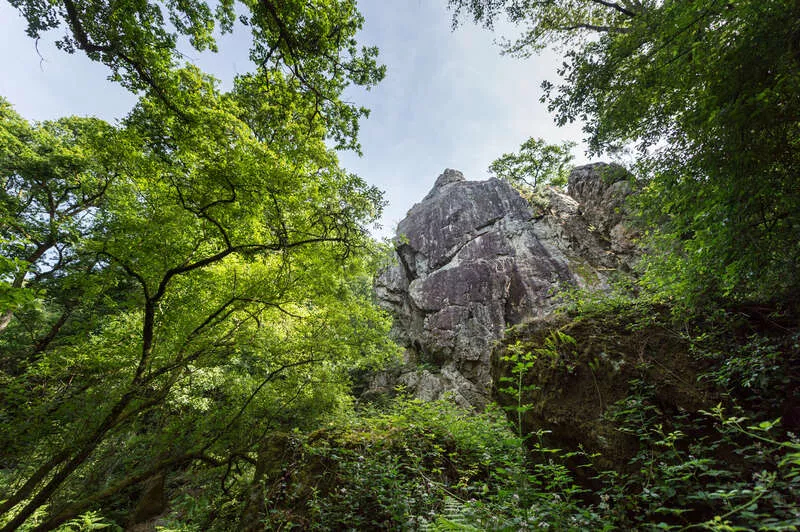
[{"x": 585, "y": 271}]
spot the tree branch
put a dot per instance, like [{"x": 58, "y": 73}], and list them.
[
  {"x": 77, "y": 508},
  {"x": 592, "y": 27},
  {"x": 79, "y": 32},
  {"x": 617, "y": 7},
  {"x": 270, "y": 377}
]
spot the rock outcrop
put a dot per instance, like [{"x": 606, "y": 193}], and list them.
[
  {"x": 587, "y": 227},
  {"x": 473, "y": 258}
]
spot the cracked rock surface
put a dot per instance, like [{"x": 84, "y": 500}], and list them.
[{"x": 471, "y": 259}]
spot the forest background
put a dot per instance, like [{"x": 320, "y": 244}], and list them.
[{"x": 186, "y": 288}]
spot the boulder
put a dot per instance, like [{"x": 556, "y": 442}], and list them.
[{"x": 472, "y": 258}]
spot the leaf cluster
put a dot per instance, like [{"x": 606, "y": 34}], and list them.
[
  {"x": 178, "y": 287},
  {"x": 707, "y": 90},
  {"x": 312, "y": 43}
]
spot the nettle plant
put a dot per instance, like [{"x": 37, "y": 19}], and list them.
[
  {"x": 546, "y": 495},
  {"x": 709, "y": 470},
  {"x": 702, "y": 470},
  {"x": 557, "y": 350},
  {"x": 521, "y": 361}
]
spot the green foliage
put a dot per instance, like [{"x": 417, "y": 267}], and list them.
[
  {"x": 425, "y": 466},
  {"x": 537, "y": 164},
  {"x": 755, "y": 366},
  {"x": 521, "y": 363},
  {"x": 564, "y": 22},
  {"x": 393, "y": 469},
  {"x": 455, "y": 516},
  {"x": 142, "y": 42},
  {"x": 708, "y": 90},
  {"x": 675, "y": 466},
  {"x": 557, "y": 350},
  {"x": 85, "y": 523},
  {"x": 175, "y": 289},
  {"x": 185, "y": 296},
  {"x": 689, "y": 474}
]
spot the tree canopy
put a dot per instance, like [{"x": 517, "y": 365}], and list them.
[
  {"x": 175, "y": 288},
  {"x": 708, "y": 91},
  {"x": 536, "y": 164},
  {"x": 186, "y": 300},
  {"x": 311, "y": 43}
]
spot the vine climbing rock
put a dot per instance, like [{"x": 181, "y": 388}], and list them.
[{"x": 473, "y": 258}]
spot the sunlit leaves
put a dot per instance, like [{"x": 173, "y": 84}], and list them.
[
  {"x": 202, "y": 274},
  {"x": 312, "y": 44}
]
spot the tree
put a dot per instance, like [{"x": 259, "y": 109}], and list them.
[
  {"x": 49, "y": 188},
  {"x": 180, "y": 286},
  {"x": 709, "y": 92},
  {"x": 566, "y": 22},
  {"x": 313, "y": 43},
  {"x": 536, "y": 164},
  {"x": 223, "y": 269}
]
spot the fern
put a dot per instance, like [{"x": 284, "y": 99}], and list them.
[
  {"x": 86, "y": 522},
  {"x": 455, "y": 516}
]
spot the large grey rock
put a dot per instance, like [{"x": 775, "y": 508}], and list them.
[
  {"x": 587, "y": 227},
  {"x": 472, "y": 259}
]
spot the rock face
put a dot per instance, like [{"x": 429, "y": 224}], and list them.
[
  {"x": 587, "y": 228},
  {"x": 473, "y": 259}
]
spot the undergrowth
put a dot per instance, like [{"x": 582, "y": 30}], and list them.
[{"x": 412, "y": 465}]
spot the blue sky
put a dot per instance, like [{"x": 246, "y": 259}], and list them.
[{"x": 449, "y": 100}]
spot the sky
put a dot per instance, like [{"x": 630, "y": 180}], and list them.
[{"x": 449, "y": 99}]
